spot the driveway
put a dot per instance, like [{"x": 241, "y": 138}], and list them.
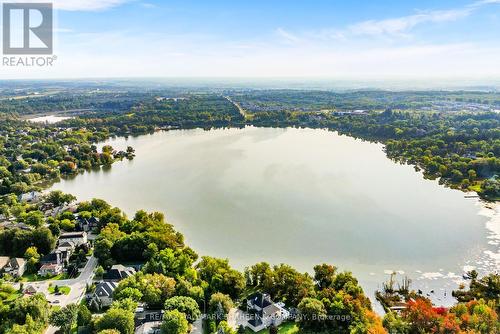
[
  {"x": 197, "y": 326},
  {"x": 78, "y": 287},
  {"x": 236, "y": 318}
]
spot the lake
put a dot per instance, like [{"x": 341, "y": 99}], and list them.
[{"x": 303, "y": 197}]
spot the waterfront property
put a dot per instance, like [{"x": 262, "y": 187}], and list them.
[{"x": 263, "y": 312}]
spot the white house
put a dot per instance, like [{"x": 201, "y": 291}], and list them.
[
  {"x": 263, "y": 312},
  {"x": 77, "y": 238},
  {"x": 15, "y": 267},
  {"x": 50, "y": 269}
]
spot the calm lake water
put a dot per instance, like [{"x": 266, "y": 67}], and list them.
[{"x": 302, "y": 197}]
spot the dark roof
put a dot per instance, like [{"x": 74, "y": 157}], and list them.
[
  {"x": 259, "y": 299},
  {"x": 16, "y": 262},
  {"x": 54, "y": 257},
  {"x": 255, "y": 321},
  {"x": 118, "y": 272},
  {"x": 105, "y": 289}
]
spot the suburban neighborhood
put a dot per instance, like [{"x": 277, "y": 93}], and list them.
[{"x": 69, "y": 274}]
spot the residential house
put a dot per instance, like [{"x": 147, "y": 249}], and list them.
[
  {"x": 118, "y": 272},
  {"x": 66, "y": 248},
  {"x": 77, "y": 238},
  {"x": 50, "y": 269},
  {"x": 14, "y": 225},
  {"x": 86, "y": 225},
  {"x": 30, "y": 197},
  {"x": 263, "y": 312},
  {"x": 103, "y": 295},
  {"x": 53, "y": 258},
  {"x": 3, "y": 262},
  {"x": 30, "y": 290},
  {"x": 15, "y": 267}
]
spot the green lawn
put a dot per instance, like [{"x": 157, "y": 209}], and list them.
[
  {"x": 286, "y": 328},
  {"x": 37, "y": 278},
  {"x": 8, "y": 296},
  {"x": 65, "y": 290}
]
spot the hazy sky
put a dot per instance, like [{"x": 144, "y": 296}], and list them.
[{"x": 274, "y": 38}]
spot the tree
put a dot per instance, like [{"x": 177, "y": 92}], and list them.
[
  {"x": 43, "y": 240},
  {"x": 155, "y": 288},
  {"x": 127, "y": 304},
  {"x": 324, "y": 275},
  {"x": 32, "y": 257},
  {"x": 58, "y": 198},
  {"x": 84, "y": 316},
  {"x": 260, "y": 275},
  {"x": 116, "y": 318},
  {"x": 225, "y": 328},
  {"x": 132, "y": 293},
  {"x": 289, "y": 285},
  {"x": 99, "y": 272},
  {"x": 312, "y": 314},
  {"x": 174, "y": 322},
  {"x": 421, "y": 316},
  {"x": 220, "y": 276},
  {"x": 31, "y": 313},
  {"x": 220, "y": 305},
  {"x": 67, "y": 167},
  {"x": 102, "y": 251},
  {"x": 67, "y": 225},
  {"x": 186, "y": 305},
  {"x": 65, "y": 318},
  {"x": 34, "y": 218}
]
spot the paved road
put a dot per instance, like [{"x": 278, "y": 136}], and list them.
[
  {"x": 237, "y": 105},
  {"x": 78, "y": 287},
  {"x": 197, "y": 326}
]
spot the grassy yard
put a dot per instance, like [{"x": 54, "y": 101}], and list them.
[
  {"x": 37, "y": 278},
  {"x": 65, "y": 290},
  {"x": 286, "y": 328},
  {"x": 8, "y": 297}
]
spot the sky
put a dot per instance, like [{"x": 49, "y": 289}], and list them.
[{"x": 351, "y": 40}]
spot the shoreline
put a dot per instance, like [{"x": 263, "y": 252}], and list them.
[{"x": 491, "y": 210}]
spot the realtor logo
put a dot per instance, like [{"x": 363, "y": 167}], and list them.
[{"x": 27, "y": 29}]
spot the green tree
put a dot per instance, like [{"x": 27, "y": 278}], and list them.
[
  {"x": 324, "y": 275},
  {"x": 312, "y": 314},
  {"x": 186, "y": 305},
  {"x": 34, "y": 218},
  {"x": 64, "y": 318},
  {"x": 220, "y": 305},
  {"x": 174, "y": 322},
  {"x": 32, "y": 257},
  {"x": 59, "y": 198},
  {"x": 116, "y": 318},
  {"x": 102, "y": 251},
  {"x": 84, "y": 316},
  {"x": 132, "y": 293}
]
